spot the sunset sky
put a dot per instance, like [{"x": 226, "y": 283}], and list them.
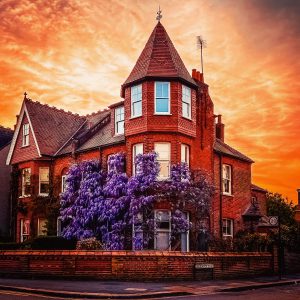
[{"x": 75, "y": 54}]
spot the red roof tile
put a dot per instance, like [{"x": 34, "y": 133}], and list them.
[
  {"x": 159, "y": 59},
  {"x": 52, "y": 127},
  {"x": 225, "y": 149}
]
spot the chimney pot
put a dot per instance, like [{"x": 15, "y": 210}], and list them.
[
  {"x": 194, "y": 73},
  {"x": 220, "y": 129}
]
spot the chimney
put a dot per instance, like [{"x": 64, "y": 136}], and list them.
[
  {"x": 220, "y": 128},
  {"x": 298, "y": 190},
  {"x": 197, "y": 75},
  {"x": 194, "y": 73}
]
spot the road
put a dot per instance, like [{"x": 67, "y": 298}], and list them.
[{"x": 291, "y": 292}]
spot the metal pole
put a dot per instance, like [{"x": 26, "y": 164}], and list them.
[{"x": 279, "y": 250}]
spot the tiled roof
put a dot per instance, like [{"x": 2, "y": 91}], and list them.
[
  {"x": 52, "y": 127},
  {"x": 225, "y": 149},
  {"x": 252, "y": 211},
  {"x": 159, "y": 59},
  {"x": 6, "y": 135},
  {"x": 257, "y": 188}
]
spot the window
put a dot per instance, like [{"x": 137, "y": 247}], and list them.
[
  {"x": 26, "y": 189},
  {"x": 42, "y": 227},
  {"x": 24, "y": 230},
  {"x": 25, "y": 140},
  {"x": 137, "y": 232},
  {"x": 185, "y": 154},
  {"x": 136, "y": 149},
  {"x": 186, "y": 102},
  {"x": 227, "y": 227},
  {"x": 44, "y": 181},
  {"x": 163, "y": 151},
  {"x": 163, "y": 229},
  {"x": 136, "y": 101},
  {"x": 119, "y": 120},
  {"x": 185, "y": 236},
  {"x": 227, "y": 172},
  {"x": 63, "y": 183},
  {"x": 162, "y": 98}
]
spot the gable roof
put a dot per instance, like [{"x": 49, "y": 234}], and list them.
[
  {"x": 159, "y": 58},
  {"x": 221, "y": 147},
  {"x": 6, "y": 135},
  {"x": 258, "y": 189}
]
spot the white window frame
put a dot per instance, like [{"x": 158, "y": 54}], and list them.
[
  {"x": 136, "y": 90},
  {"x": 43, "y": 194},
  {"x": 227, "y": 179},
  {"x": 228, "y": 233},
  {"x": 40, "y": 230},
  {"x": 186, "y": 235},
  {"x": 163, "y": 160},
  {"x": 24, "y": 235},
  {"x": 185, "y": 154},
  {"x": 158, "y": 230},
  {"x": 186, "y": 101},
  {"x": 117, "y": 109},
  {"x": 137, "y": 229},
  {"x": 23, "y": 194},
  {"x": 135, "y": 152},
  {"x": 63, "y": 183},
  {"x": 169, "y": 99},
  {"x": 25, "y": 135}
]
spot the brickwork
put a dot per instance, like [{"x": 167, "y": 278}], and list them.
[{"x": 128, "y": 265}]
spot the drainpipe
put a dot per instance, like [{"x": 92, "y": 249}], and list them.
[{"x": 221, "y": 188}]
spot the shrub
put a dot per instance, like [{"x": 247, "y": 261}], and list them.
[
  {"x": 52, "y": 243},
  {"x": 9, "y": 246},
  {"x": 89, "y": 244}
]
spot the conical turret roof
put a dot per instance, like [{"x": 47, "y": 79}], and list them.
[{"x": 159, "y": 59}]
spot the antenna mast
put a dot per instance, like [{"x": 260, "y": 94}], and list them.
[{"x": 201, "y": 43}]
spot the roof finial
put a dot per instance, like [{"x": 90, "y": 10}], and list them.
[
  {"x": 159, "y": 15},
  {"x": 25, "y": 96}
]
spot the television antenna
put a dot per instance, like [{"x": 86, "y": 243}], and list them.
[{"x": 201, "y": 43}]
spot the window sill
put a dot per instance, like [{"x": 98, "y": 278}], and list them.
[
  {"x": 188, "y": 119},
  {"x": 43, "y": 195},
  {"x": 24, "y": 196},
  {"x": 119, "y": 134},
  {"x": 135, "y": 117},
  {"x": 162, "y": 114},
  {"x": 228, "y": 195},
  {"x": 25, "y": 146}
]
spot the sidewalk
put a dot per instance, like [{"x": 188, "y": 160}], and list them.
[{"x": 137, "y": 290}]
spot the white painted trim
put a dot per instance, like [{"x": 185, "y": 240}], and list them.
[
  {"x": 116, "y": 129},
  {"x": 70, "y": 138},
  {"x": 17, "y": 131},
  {"x": 169, "y": 104}
]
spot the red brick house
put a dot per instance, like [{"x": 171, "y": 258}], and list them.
[{"x": 165, "y": 109}]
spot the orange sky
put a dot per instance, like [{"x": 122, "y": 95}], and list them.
[{"x": 76, "y": 54}]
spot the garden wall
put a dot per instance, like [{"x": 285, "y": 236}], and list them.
[{"x": 128, "y": 265}]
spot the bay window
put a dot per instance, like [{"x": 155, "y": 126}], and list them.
[
  {"x": 227, "y": 227},
  {"x": 162, "y": 98},
  {"x": 26, "y": 188},
  {"x": 25, "y": 139},
  {"x": 162, "y": 229},
  {"x": 136, "y": 149},
  {"x": 186, "y": 102},
  {"x": 227, "y": 184},
  {"x": 119, "y": 120},
  {"x": 44, "y": 181},
  {"x": 185, "y": 154},
  {"x": 163, "y": 152},
  {"x": 136, "y": 101}
]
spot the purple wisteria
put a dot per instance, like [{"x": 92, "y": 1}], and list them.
[{"x": 108, "y": 205}]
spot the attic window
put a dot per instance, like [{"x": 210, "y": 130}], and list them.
[
  {"x": 119, "y": 120},
  {"x": 25, "y": 140}
]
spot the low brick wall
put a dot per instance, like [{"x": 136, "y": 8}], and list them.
[{"x": 128, "y": 265}]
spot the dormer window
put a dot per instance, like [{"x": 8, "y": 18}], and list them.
[
  {"x": 136, "y": 101},
  {"x": 186, "y": 102},
  {"x": 119, "y": 120},
  {"x": 25, "y": 140},
  {"x": 162, "y": 98}
]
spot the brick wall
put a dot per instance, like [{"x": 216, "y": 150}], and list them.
[
  {"x": 235, "y": 205},
  {"x": 128, "y": 265}
]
